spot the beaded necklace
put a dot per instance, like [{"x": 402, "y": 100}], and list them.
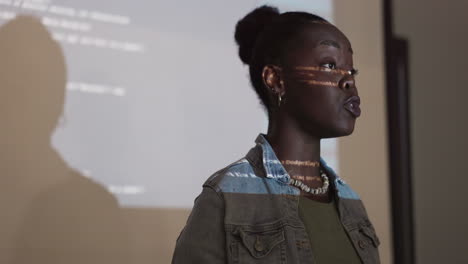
[{"x": 305, "y": 188}]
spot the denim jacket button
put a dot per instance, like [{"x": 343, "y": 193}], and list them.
[
  {"x": 259, "y": 246},
  {"x": 362, "y": 244}
]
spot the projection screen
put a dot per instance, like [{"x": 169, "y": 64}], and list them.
[{"x": 156, "y": 95}]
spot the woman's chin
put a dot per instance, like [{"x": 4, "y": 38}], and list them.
[{"x": 341, "y": 131}]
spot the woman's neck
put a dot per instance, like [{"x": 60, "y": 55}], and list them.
[
  {"x": 291, "y": 143},
  {"x": 298, "y": 151}
]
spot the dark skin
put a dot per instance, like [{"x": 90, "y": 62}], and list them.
[{"x": 312, "y": 99}]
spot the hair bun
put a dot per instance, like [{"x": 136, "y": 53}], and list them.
[{"x": 249, "y": 28}]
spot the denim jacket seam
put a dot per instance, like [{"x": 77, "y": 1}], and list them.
[{"x": 218, "y": 191}]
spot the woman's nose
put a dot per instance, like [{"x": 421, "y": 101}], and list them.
[{"x": 347, "y": 83}]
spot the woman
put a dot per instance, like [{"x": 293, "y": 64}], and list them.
[{"x": 281, "y": 203}]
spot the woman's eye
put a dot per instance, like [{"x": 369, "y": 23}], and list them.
[{"x": 329, "y": 65}]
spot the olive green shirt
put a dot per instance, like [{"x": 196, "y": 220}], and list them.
[{"x": 327, "y": 236}]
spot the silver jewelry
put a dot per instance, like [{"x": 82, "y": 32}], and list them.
[
  {"x": 279, "y": 99},
  {"x": 321, "y": 190}
]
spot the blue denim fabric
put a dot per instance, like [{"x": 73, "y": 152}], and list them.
[{"x": 239, "y": 177}]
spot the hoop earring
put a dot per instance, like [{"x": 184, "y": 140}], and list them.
[{"x": 279, "y": 100}]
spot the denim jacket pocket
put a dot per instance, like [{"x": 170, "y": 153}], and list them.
[
  {"x": 255, "y": 244},
  {"x": 365, "y": 241},
  {"x": 368, "y": 231}
]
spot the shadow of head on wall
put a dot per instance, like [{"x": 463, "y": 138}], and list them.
[{"x": 50, "y": 213}]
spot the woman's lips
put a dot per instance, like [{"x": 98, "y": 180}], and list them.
[{"x": 352, "y": 105}]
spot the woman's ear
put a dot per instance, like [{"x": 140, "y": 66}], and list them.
[{"x": 272, "y": 79}]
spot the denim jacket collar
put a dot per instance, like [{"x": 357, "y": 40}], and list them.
[{"x": 269, "y": 165}]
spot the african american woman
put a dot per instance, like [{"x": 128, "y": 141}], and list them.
[{"x": 281, "y": 203}]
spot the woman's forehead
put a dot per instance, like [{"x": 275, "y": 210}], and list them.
[
  {"x": 315, "y": 40},
  {"x": 316, "y": 35}
]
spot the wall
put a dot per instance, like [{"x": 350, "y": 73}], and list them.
[
  {"x": 363, "y": 156},
  {"x": 436, "y": 31}
]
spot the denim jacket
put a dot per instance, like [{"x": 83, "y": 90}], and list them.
[{"x": 248, "y": 213}]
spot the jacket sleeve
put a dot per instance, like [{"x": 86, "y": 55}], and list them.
[{"x": 203, "y": 238}]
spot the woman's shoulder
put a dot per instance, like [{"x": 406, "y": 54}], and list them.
[{"x": 234, "y": 177}]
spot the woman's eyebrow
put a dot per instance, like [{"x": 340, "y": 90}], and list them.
[{"x": 332, "y": 43}]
